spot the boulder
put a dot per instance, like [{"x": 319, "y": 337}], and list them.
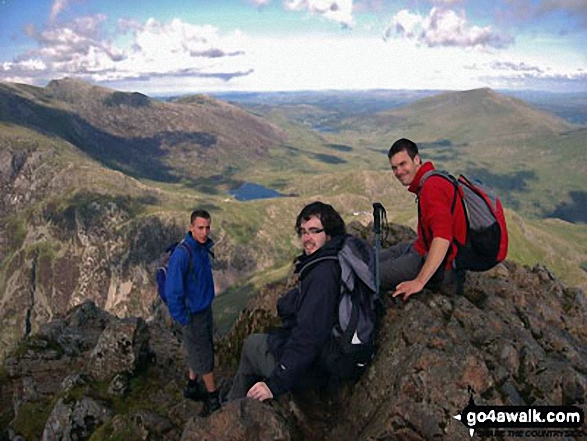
[
  {"x": 241, "y": 420},
  {"x": 121, "y": 349},
  {"x": 75, "y": 421}
]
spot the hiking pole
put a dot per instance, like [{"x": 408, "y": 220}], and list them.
[{"x": 378, "y": 214}]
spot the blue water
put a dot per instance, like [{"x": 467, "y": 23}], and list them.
[{"x": 249, "y": 191}]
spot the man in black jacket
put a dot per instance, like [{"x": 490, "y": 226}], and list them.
[{"x": 272, "y": 364}]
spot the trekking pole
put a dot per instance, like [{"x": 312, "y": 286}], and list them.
[{"x": 378, "y": 214}]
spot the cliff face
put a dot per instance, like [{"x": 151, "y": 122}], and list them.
[
  {"x": 516, "y": 337},
  {"x": 76, "y": 224},
  {"x": 72, "y": 230}
]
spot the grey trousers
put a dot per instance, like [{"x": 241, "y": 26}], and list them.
[
  {"x": 198, "y": 339},
  {"x": 256, "y": 364},
  {"x": 398, "y": 264}
]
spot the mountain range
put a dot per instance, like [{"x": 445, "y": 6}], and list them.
[{"x": 95, "y": 183}]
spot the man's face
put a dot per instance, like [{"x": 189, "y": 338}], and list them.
[
  {"x": 200, "y": 229},
  {"x": 312, "y": 235},
  {"x": 405, "y": 168}
]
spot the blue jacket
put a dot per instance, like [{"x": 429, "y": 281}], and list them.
[{"x": 189, "y": 291}]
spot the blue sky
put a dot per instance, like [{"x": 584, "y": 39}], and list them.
[{"x": 194, "y": 46}]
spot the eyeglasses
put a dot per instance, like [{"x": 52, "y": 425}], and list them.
[{"x": 311, "y": 231}]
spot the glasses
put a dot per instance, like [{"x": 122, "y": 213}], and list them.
[{"x": 311, "y": 231}]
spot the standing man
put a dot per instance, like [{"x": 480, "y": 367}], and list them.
[
  {"x": 190, "y": 291},
  {"x": 407, "y": 267},
  {"x": 272, "y": 364}
]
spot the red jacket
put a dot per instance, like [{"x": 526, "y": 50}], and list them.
[{"x": 435, "y": 219}]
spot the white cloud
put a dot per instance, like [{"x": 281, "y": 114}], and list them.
[
  {"x": 177, "y": 47},
  {"x": 155, "y": 49},
  {"x": 59, "y": 6},
  {"x": 260, "y": 3},
  {"x": 445, "y": 27},
  {"x": 178, "y": 57},
  {"x": 66, "y": 49},
  {"x": 340, "y": 11}
]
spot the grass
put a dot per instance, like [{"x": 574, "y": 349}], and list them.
[
  {"x": 32, "y": 417},
  {"x": 348, "y": 169}
]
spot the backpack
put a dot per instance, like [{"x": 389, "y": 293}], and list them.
[
  {"x": 161, "y": 271},
  {"x": 350, "y": 348},
  {"x": 486, "y": 244}
]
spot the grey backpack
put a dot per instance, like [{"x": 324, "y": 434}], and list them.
[{"x": 351, "y": 346}]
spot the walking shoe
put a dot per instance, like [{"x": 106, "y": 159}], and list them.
[
  {"x": 193, "y": 391},
  {"x": 211, "y": 403}
]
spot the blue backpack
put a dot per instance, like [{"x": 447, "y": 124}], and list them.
[{"x": 161, "y": 272}]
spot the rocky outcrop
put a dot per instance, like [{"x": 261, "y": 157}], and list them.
[
  {"x": 75, "y": 421},
  {"x": 242, "y": 420},
  {"x": 516, "y": 337},
  {"x": 121, "y": 349}
]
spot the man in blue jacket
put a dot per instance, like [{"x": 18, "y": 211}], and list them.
[
  {"x": 190, "y": 291},
  {"x": 272, "y": 364}
]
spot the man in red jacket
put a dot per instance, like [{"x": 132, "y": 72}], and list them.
[{"x": 407, "y": 267}]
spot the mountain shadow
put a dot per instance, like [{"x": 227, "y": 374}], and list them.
[
  {"x": 574, "y": 211},
  {"x": 137, "y": 157},
  {"x": 505, "y": 182},
  {"x": 329, "y": 159},
  {"x": 339, "y": 147},
  {"x": 134, "y": 99}
]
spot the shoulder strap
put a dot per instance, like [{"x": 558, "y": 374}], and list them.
[
  {"x": 450, "y": 178},
  {"x": 191, "y": 268}
]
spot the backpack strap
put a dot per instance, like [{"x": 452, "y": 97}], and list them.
[
  {"x": 456, "y": 195},
  {"x": 450, "y": 178},
  {"x": 423, "y": 180},
  {"x": 191, "y": 268}
]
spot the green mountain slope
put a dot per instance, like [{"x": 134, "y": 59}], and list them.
[
  {"x": 95, "y": 183},
  {"x": 142, "y": 137},
  {"x": 533, "y": 159}
]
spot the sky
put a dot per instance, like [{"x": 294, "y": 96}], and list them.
[{"x": 204, "y": 46}]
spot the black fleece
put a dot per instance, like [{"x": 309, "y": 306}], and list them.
[{"x": 308, "y": 314}]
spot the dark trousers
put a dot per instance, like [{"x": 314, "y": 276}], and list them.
[
  {"x": 198, "y": 339},
  {"x": 401, "y": 262},
  {"x": 398, "y": 264},
  {"x": 256, "y": 364}
]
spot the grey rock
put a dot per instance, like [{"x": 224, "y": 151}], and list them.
[
  {"x": 75, "y": 421},
  {"x": 29, "y": 390},
  {"x": 119, "y": 385},
  {"x": 72, "y": 381},
  {"x": 241, "y": 420},
  {"x": 121, "y": 348}
]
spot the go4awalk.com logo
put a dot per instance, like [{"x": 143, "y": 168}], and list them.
[{"x": 522, "y": 421}]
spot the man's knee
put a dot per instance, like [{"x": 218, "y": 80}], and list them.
[{"x": 254, "y": 344}]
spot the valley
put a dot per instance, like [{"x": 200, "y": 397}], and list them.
[{"x": 95, "y": 183}]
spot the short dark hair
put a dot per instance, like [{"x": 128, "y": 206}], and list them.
[
  {"x": 199, "y": 213},
  {"x": 403, "y": 145},
  {"x": 331, "y": 221}
]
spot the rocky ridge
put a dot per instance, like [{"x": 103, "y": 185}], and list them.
[
  {"x": 72, "y": 229},
  {"x": 516, "y": 337}
]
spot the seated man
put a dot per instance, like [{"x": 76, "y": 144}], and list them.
[
  {"x": 406, "y": 268},
  {"x": 272, "y": 364}
]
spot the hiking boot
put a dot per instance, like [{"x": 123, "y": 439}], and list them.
[
  {"x": 193, "y": 391},
  {"x": 211, "y": 403}
]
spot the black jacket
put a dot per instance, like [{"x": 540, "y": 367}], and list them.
[{"x": 308, "y": 314}]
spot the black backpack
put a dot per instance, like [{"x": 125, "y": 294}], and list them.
[{"x": 351, "y": 347}]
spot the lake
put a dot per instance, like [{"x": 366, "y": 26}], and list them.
[{"x": 249, "y": 191}]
